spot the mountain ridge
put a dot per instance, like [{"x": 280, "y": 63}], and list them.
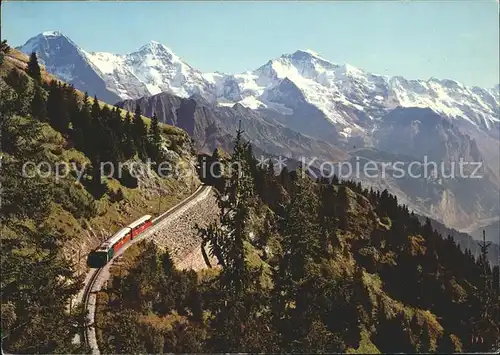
[{"x": 330, "y": 87}]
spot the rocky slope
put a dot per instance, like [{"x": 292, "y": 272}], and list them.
[{"x": 213, "y": 126}]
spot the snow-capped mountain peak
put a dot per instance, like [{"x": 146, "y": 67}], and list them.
[
  {"x": 53, "y": 39},
  {"x": 52, "y": 34},
  {"x": 348, "y": 97},
  {"x": 152, "y": 69},
  {"x": 306, "y": 54},
  {"x": 155, "y": 47}
]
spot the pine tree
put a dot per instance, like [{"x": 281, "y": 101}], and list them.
[
  {"x": 33, "y": 68},
  {"x": 4, "y": 49},
  {"x": 154, "y": 142},
  {"x": 72, "y": 104},
  {"x": 328, "y": 218},
  {"x": 129, "y": 148},
  {"x": 214, "y": 171},
  {"x": 140, "y": 133},
  {"x": 227, "y": 243},
  {"x": 97, "y": 185},
  {"x": 95, "y": 111},
  {"x": 57, "y": 107},
  {"x": 83, "y": 127},
  {"x": 342, "y": 207},
  {"x": 486, "y": 326},
  {"x": 300, "y": 242},
  {"x": 38, "y": 104}
]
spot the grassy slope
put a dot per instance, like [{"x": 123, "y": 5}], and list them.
[{"x": 111, "y": 214}]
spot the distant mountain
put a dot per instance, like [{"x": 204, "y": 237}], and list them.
[
  {"x": 64, "y": 59},
  {"x": 346, "y": 96},
  {"x": 214, "y": 126}
]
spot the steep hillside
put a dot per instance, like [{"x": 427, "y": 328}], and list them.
[
  {"x": 307, "y": 267},
  {"x": 59, "y": 201},
  {"x": 471, "y": 241}
]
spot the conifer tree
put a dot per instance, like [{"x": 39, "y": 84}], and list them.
[
  {"x": 154, "y": 142},
  {"x": 57, "y": 110},
  {"x": 129, "y": 148},
  {"x": 95, "y": 111},
  {"x": 486, "y": 326},
  {"x": 300, "y": 241},
  {"x": 328, "y": 218},
  {"x": 214, "y": 170},
  {"x": 33, "y": 68},
  {"x": 4, "y": 49},
  {"x": 82, "y": 127},
  {"x": 227, "y": 243},
  {"x": 38, "y": 104},
  {"x": 72, "y": 103},
  {"x": 139, "y": 133}
]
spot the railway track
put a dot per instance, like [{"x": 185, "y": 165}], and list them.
[
  {"x": 89, "y": 335},
  {"x": 86, "y": 299}
]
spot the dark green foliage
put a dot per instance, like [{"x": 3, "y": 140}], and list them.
[
  {"x": 235, "y": 306},
  {"x": 128, "y": 145},
  {"x": 4, "y": 49},
  {"x": 139, "y": 132},
  {"x": 308, "y": 234},
  {"x": 38, "y": 281},
  {"x": 57, "y": 107},
  {"x": 92, "y": 129},
  {"x": 33, "y": 68},
  {"x": 161, "y": 289},
  {"x": 331, "y": 260},
  {"x": 33, "y": 297},
  {"x": 38, "y": 104},
  {"x": 154, "y": 145},
  {"x": 20, "y": 83}
]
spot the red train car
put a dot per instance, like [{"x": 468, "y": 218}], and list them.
[
  {"x": 140, "y": 225},
  {"x": 107, "y": 250}
]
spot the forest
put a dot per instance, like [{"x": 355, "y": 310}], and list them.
[
  {"x": 45, "y": 120},
  {"x": 309, "y": 266}
]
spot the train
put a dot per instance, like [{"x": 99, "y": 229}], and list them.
[{"x": 107, "y": 250}]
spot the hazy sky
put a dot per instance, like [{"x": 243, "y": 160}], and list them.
[{"x": 416, "y": 39}]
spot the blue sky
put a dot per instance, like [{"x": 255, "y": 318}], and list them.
[{"x": 445, "y": 39}]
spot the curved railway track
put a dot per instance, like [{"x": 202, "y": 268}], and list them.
[{"x": 89, "y": 335}]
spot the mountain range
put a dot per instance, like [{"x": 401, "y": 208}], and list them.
[
  {"x": 301, "y": 104},
  {"x": 347, "y": 96}
]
